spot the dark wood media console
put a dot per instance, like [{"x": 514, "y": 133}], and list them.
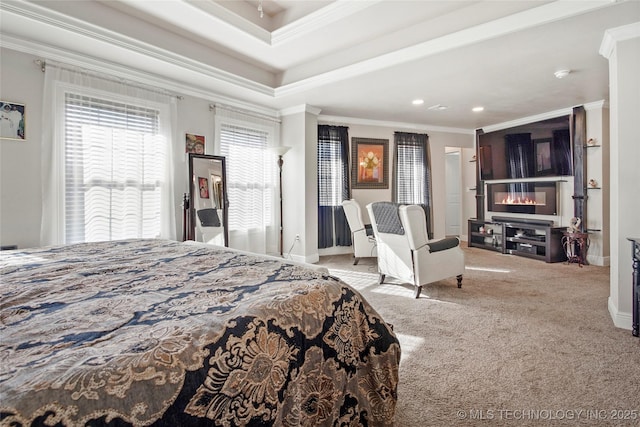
[{"x": 537, "y": 239}]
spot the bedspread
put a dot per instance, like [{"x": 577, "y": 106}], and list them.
[{"x": 157, "y": 332}]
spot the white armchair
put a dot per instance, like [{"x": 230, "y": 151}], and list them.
[
  {"x": 405, "y": 251},
  {"x": 364, "y": 244}
]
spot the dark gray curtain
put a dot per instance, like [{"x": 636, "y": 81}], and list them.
[
  {"x": 412, "y": 173},
  {"x": 562, "y": 158},
  {"x": 333, "y": 146},
  {"x": 520, "y": 161}
]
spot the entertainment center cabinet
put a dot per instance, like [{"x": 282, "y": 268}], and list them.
[{"x": 531, "y": 238}]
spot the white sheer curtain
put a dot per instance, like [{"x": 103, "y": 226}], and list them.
[
  {"x": 252, "y": 186},
  {"x": 107, "y": 158}
]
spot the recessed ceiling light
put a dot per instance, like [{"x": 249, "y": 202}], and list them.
[
  {"x": 477, "y": 109},
  {"x": 438, "y": 107},
  {"x": 560, "y": 74},
  {"x": 417, "y": 101}
]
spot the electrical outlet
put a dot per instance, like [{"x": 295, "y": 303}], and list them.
[{"x": 298, "y": 237}]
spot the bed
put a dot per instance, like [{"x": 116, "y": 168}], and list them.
[{"x": 165, "y": 333}]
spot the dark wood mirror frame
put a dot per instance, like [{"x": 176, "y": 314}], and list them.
[{"x": 208, "y": 191}]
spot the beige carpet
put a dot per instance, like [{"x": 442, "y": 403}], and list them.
[{"x": 522, "y": 343}]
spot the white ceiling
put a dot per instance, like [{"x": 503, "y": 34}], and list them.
[{"x": 364, "y": 59}]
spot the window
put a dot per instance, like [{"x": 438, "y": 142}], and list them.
[
  {"x": 244, "y": 138},
  {"x": 412, "y": 176},
  {"x": 330, "y": 173},
  {"x": 249, "y": 183},
  {"x": 113, "y": 170},
  {"x": 411, "y": 173}
]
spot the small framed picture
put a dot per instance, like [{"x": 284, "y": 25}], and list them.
[
  {"x": 194, "y": 143},
  {"x": 203, "y": 185},
  {"x": 370, "y": 160},
  {"x": 543, "y": 156},
  {"x": 12, "y": 124}
]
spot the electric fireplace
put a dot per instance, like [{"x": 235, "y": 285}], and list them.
[{"x": 534, "y": 197}]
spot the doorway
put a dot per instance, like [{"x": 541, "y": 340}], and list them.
[{"x": 453, "y": 188}]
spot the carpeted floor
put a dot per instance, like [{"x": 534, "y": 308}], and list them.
[{"x": 522, "y": 343}]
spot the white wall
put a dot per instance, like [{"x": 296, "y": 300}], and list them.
[
  {"x": 299, "y": 175},
  {"x": 20, "y": 177},
  {"x": 622, "y": 48}
]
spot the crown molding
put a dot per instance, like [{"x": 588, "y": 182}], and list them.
[
  {"x": 596, "y": 105},
  {"x": 540, "y": 15},
  {"x": 222, "y": 16},
  {"x": 342, "y": 120},
  {"x": 614, "y": 35},
  {"x": 336, "y": 11},
  {"x": 130, "y": 45},
  {"x": 304, "y": 108},
  {"x": 51, "y": 53},
  {"x": 527, "y": 120}
]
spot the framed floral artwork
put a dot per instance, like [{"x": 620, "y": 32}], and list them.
[
  {"x": 12, "y": 125},
  {"x": 369, "y": 163}
]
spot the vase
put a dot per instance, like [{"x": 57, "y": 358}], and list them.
[{"x": 368, "y": 174}]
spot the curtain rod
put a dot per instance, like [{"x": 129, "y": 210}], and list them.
[
  {"x": 212, "y": 107},
  {"x": 44, "y": 64}
]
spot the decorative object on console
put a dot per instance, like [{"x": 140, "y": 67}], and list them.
[
  {"x": 574, "y": 225},
  {"x": 576, "y": 245},
  {"x": 592, "y": 141},
  {"x": 593, "y": 183}
]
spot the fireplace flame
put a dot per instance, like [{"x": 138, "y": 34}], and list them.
[{"x": 518, "y": 201}]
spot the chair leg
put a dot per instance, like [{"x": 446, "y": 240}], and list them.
[
  {"x": 417, "y": 291},
  {"x": 459, "y": 277},
  {"x": 381, "y": 279},
  {"x": 355, "y": 260}
]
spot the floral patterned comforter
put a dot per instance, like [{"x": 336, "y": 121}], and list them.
[{"x": 157, "y": 332}]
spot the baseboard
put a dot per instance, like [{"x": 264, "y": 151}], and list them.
[
  {"x": 309, "y": 259},
  {"x": 620, "y": 319},
  {"x": 602, "y": 261},
  {"x": 335, "y": 250}
]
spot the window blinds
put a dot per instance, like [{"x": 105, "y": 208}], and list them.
[
  {"x": 248, "y": 177},
  {"x": 411, "y": 169},
  {"x": 332, "y": 170},
  {"x": 114, "y": 160}
]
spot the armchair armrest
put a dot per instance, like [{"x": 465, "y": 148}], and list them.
[{"x": 443, "y": 244}]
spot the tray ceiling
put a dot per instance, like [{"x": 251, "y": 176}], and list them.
[{"x": 362, "y": 59}]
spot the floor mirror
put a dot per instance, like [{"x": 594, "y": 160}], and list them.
[{"x": 208, "y": 203}]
